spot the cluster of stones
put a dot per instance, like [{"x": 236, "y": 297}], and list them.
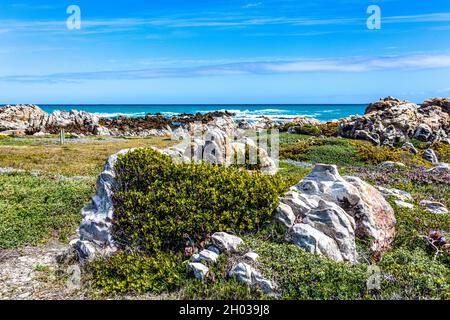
[
  {"x": 326, "y": 212},
  {"x": 220, "y": 147},
  {"x": 391, "y": 121},
  {"x": 243, "y": 271}
]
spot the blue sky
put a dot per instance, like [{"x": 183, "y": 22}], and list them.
[{"x": 228, "y": 51}]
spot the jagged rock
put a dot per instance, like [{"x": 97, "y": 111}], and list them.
[
  {"x": 207, "y": 256},
  {"x": 443, "y": 103},
  {"x": 431, "y": 156},
  {"x": 218, "y": 147},
  {"x": 374, "y": 217},
  {"x": 440, "y": 168},
  {"x": 384, "y": 104},
  {"x": 97, "y": 216},
  {"x": 423, "y": 132},
  {"x": 391, "y": 121},
  {"x": 301, "y": 121},
  {"x": 434, "y": 207},
  {"x": 200, "y": 270},
  {"x": 408, "y": 146},
  {"x": 285, "y": 215},
  {"x": 226, "y": 242},
  {"x": 28, "y": 118},
  {"x": 245, "y": 273},
  {"x": 314, "y": 241}
]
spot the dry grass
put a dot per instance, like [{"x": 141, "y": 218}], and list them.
[{"x": 85, "y": 158}]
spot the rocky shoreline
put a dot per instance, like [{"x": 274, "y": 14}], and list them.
[{"x": 387, "y": 122}]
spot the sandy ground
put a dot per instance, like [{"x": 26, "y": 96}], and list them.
[{"x": 34, "y": 273}]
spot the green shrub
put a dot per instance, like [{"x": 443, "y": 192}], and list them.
[
  {"x": 307, "y": 129},
  {"x": 329, "y": 129},
  {"x": 160, "y": 205},
  {"x": 371, "y": 154},
  {"x": 124, "y": 273}
]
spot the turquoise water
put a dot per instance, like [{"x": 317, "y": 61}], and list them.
[{"x": 323, "y": 112}]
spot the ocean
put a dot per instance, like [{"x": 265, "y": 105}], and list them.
[{"x": 322, "y": 112}]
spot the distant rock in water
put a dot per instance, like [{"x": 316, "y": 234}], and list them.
[{"x": 392, "y": 121}]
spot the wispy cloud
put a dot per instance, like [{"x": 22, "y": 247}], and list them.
[
  {"x": 124, "y": 24},
  {"x": 252, "y": 5},
  {"x": 345, "y": 65}
]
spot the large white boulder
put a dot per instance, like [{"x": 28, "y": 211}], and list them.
[{"x": 334, "y": 210}]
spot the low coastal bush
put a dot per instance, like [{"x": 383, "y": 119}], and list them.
[
  {"x": 160, "y": 205},
  {"x": 329, "y": 129},
  {"x": 371, "y": 154},
  {"x": 133, "y": 272},
  {"x": 307, "y": 129}
]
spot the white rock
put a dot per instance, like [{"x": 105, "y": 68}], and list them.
[
  {"x": 440, "y": 168},
  {"x": 434, "y": 207},
  {"x": 396, "y": 193},
  {"x": 373, "y": 215},
  {"x": 252, "y": 256},
  {"x": 335, "y": 223},
  {"x": 200, "y": 270},
  {"x": 285, "y": 215},
  {"x": 247, "y": 274},
  {"x": 403, "y": 204},
  {"x": 226, "y": 242},
  {"x": 207, "y": 256},
  {"x": 314, "y": 241}
]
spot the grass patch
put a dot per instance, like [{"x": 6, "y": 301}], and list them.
[
  {"x": 71, "y": 159},
  {"x": 36, "y": 209}
]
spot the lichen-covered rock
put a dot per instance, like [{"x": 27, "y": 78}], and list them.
[{"x": 334, "y": 210}]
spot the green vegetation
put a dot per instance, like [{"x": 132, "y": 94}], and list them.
[
  {"x": 162, "y": 205},
  {"x": 307, "y": 129},
  {"x": 124, "y": 273},
  {"x": 328, "y": 150},
  {"x": 35, "y": 209}
]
